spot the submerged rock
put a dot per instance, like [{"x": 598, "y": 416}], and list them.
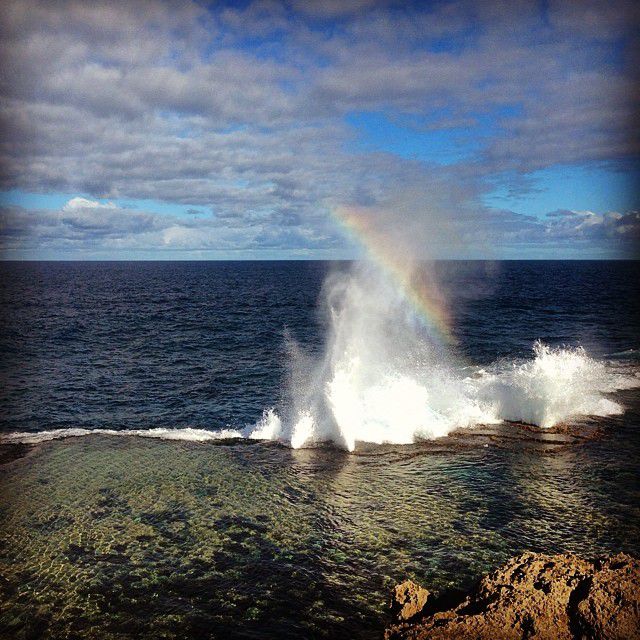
[{"x": 532, "y": 596}]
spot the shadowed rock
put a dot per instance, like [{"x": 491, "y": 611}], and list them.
[{"x": 559, "y": 597}]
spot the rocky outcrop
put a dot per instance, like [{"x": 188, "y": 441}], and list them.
[
  {"x": 533, "y": 596},
  {"x": 408, "y": 600}
]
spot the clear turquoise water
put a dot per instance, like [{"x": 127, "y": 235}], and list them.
[{"x": 111, "y": 537}]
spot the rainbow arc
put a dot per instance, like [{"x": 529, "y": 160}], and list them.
[{"x": 418, "y": 287}]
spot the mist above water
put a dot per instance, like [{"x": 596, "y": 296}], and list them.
[{"x": 387, "y": 376}]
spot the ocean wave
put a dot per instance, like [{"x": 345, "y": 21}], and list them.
[{"x": 556, "y": 385}]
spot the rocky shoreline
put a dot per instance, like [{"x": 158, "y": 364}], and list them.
[{"x": 554, "y": 597}]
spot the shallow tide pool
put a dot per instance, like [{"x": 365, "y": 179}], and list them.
[{"x": 112, "y": 537}]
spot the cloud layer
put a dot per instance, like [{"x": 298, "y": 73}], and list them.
[
  {"x": 244, "y": 112},
  {"x": 85, "y": 228}
]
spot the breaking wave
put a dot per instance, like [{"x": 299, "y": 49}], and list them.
[
  {"x": 555, "y": 386},
  {"x": 384, "y": 377},
  {"x": 192, "y": 435}
]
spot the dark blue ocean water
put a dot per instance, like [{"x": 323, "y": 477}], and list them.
[{"x": 201, "y": 344}]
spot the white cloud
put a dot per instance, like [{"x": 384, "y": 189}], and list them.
[
  {"x": 587, "y": 225},
  {"x": 241, "y": 110},
  {"x": 82, "y": 203},
  {"x": 111, "y": 230}
]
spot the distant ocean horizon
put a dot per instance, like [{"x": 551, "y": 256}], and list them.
[{"x": 327, "y": 260}]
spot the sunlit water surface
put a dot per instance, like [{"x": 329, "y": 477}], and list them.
[{"x": 108, "y": 537}]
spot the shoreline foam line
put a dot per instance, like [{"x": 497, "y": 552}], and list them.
[{"x": 186, "y": 434}]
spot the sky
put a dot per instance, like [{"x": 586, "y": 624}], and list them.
[{"x": 235, "y": 130}]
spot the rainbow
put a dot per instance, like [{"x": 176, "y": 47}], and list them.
[{"x": 418, "y": 288}]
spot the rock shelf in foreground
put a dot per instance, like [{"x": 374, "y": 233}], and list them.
[{"x": 533, "y": 596}]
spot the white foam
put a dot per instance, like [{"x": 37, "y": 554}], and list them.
[
  {"x": 380, "y": 379},
  {"x": 269, "y": 427},
  {"x": 556, "y": 385},
  {"x": 192, "y": 435}
]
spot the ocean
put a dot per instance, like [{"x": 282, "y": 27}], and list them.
[{"x": 210, "y": 449}]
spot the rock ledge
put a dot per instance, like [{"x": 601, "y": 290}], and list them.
[{"x": 533, "y": 596}]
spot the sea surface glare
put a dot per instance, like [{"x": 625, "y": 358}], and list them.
[{"x": 188, "y": 504}]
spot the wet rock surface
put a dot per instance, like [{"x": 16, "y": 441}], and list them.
[
  {"x": 532, "y": 596},
  {"x": 11, "y": 452}
]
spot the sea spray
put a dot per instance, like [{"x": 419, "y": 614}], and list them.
[
  {"x": 385, "y": 378},
  {"x": 556, "y": 385}
]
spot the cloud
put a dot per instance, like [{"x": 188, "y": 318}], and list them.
[
  {"x": 82, "y": 226},
  {"x": 77, "y": 204},
  {"x": 333, "y": 8},
  {"x": 241, "y": 109},
  {"x": 587, "y": 225}
]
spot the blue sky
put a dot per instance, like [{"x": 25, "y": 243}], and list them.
[
  {"x": 232, "y": 130},
  {"x": 593, "y": 186}
]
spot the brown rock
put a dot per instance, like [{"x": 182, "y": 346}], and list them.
[
  {"x": 611, "y": 607},
  {"x": 408, "y": 599},
  {"x": 538, "y": 596}
]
